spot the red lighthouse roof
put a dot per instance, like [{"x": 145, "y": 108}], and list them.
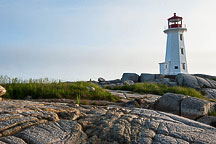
[
  {"x": 175, "y": 22},
  {"x": 175, "y": 17}
]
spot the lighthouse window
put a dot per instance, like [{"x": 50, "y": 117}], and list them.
[
  {"x": 176, "y": 67},
  {"x": 183, "y": 66},
  {"x": 182, "y": 51},
  {"x": 181, "y": 36}
]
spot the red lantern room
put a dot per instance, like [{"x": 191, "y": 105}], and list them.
[{"x": 175, "y": 22}]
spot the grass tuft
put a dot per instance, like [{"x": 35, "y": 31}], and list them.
[
  {"x": 159, "y": 89},
  {"x": 212, "y": 113}
]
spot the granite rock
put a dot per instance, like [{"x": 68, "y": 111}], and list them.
[
  {"x": 53, "y": 122},
  {"x": 130, "y": 76}
]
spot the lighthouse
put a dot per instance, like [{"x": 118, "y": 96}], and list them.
[{"x": 175, "y": 60}]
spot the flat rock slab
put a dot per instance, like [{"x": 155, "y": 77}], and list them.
[
  {"x": 58, "y": 132},
  {"x": 131, "y": 95},
  {"x": 96, "y": 124}
]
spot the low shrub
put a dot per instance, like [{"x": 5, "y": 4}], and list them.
[
  {"x": 159, "y": 89},
  {"x": 18, "y": 89}
]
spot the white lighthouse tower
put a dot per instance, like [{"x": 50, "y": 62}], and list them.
[{"x": 175, "y": 61}]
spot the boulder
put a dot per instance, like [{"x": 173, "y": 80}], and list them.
[
  {"x": 195, "y": 81},
  {"x": 2, "y": 91},
  {"x": 210, "y": 93},
  {"x": 209, "y": 120},
  {"x": 145, "y": 77},
  {"x": 194, "y": 108},
  {"x": 128, "y": 82},
  {"x": 170, "y": 102},
  {"x": 130, "y": 76},
  {"x": 187, "y": 80},
  {"x": 100, "y": 79}
]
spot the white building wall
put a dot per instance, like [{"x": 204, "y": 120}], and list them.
[{"x": 174, "y": 57}]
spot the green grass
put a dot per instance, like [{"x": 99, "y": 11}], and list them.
[
  {"x": 213, "y": 79},
  {"x": 212, "y": 113},
  {"x": 45, "y": 89},
  {"x": 158, "y": 89}
]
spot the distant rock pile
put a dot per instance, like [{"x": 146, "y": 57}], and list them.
[{"x": 200, "y": 82}]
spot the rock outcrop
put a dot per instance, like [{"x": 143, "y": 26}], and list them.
[
  {"x": 182, "y": 105},
  {"x": 195, "y": 81},
  {"x": 204, "y": 83},
  {"x": 130, "y": 76},
  {"x": 45, "y": 122}
]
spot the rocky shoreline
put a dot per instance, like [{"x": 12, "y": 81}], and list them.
[
  {"x": 136, "y": 118},
  {"x": 23, "y": 121}
]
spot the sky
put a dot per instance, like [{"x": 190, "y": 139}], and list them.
[{"x": 85, "y": 39}]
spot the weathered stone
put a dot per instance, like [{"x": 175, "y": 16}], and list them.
[
  {"x": 212, "y": 83},
  {"x": 145, "y": 77},
  {"x": 209, "y": 120},
  {"x": 51, "y": 116},
  {"x": 13, "y": 122},
  {"x": 210, "y": 93},
  {"x": 58, "y": 132},
  {"x": 128, "y": 82},
  {"x": 203, "y": 83},
  {"x": 205, "y": 76},
  {"x": 69, "y": 115},
  {"x": 12, "y": 140},
  {"x": 2, "y": 90},
  {"x": 187, "y": 80},
  {"x": 9, "y": 116},
  {"x": 132, "y": 104},
  {"x": 111, "y": 124},
  {"x": 130, "y": 76},
  {"x": 165, "y": 81},
  {"x": 195, "y": 81},
  {"x": 194, "y": 108},
  {"x": 163, "y": 139},
  {"x": 170, "y": 102},
  {"x": 100, "y": 79}
]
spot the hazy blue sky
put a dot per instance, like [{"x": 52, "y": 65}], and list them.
[{"x": 83, "y": 39}]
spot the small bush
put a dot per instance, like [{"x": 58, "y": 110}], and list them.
[{"x": 159, "y": 89}]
